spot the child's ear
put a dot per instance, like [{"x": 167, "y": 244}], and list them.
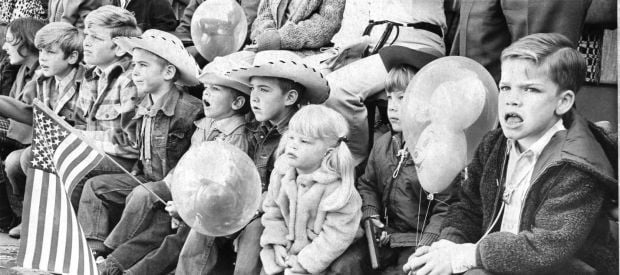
[
  {"x": 73, "y": 57},
  {"x": 565, "y": 102},
  {"x": 169, "y": 72},
  {"x": 291, "y": 97},
  {"x": 238, "y": 103}
]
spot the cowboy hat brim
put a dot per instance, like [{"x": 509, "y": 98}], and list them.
[
  {"x": 393, "y": 56},
  {"x": 226, "y": 81},
  {"x": 317, "y": 88},
  {"x": 181, "y": 59}
]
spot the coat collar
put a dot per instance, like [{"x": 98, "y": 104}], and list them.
[
  {"x": 578, "y": 145},
  {"x": 167, "y": 104}
]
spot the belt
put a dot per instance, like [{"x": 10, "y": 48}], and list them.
[{"x": 390, "y": 26}]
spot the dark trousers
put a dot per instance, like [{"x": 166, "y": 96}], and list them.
[{"x": 356, "y": 260}]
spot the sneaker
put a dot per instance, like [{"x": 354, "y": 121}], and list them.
[{"x": 16, "y": 232}]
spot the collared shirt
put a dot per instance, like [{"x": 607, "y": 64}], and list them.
[
  {"x": 60, "y": 86},
  {"x": 519, "y": 177},
  {"x": 106, "y": 104}
]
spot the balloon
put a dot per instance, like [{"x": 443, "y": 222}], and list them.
[
  {"x": 218, "y": 28},
  {"x": 449, "y": 105},
  {"x": 216, "y": 188}
]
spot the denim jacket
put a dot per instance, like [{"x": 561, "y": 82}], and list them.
[
  {"x": 263, "y": 141},
  {"x": 171, "y": 123}
]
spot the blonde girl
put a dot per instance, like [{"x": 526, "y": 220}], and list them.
[{"x": 312, "y": 209}]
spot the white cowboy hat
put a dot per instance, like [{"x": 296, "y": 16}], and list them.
[
  {"x": 288, "y": 65},
  {"x": 168, "y": 47},
  {"x": 215, "y": 71}
]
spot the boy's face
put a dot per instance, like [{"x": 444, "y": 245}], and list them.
[
  {"x": 529, "y": 102},
  {"x": 12, "y": 50},
  {"x": 148, "y": 71},
  {"x": 217, "y": 101},
  {"x": 267, "y": 99},
  {"x": 99, "y": 50},
  {"x": 53, "y": 62},
  {"x": 395, "y": 99}
]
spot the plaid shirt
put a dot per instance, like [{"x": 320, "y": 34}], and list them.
[
  {"x": 106, "y": 105},
  {"x": 60, "y": 97}
]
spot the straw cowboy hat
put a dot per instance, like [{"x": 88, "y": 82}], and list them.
[
  {"x": 168, "y": 47},
  {"x": 215, "y": 71},
  {"x": 288, "y": 65}
]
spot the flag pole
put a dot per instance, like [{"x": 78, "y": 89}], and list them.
[{"x": 87, "y": 140}]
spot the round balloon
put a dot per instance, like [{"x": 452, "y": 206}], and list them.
[
  {"x": 216, "y": 188},
  {"x": 449, "y": 105},
  {"x": 218, "y": 28}
]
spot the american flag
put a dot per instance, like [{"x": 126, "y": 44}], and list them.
[{"x": 52, "y": 239}]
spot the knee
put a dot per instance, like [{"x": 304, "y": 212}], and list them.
[
  {"x": 12, "y": 163},
  {"x": 25, "y": 159}
]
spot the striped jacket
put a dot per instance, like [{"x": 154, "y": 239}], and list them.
[{"x": 107, "y": 110}]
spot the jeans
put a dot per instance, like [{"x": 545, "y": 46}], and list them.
[
  {"x": 200, "y": 253},
  {"x": 143, "y": 227},
  {"x": 102, "y": 203},
  {"x": 106, "y": 166},
  {"x": 248, "y": 260},
  {"x": 350, "y": 86},
  {"x": 15, "y": 173}
]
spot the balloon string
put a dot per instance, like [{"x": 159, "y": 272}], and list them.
[
  {"x": 417, "y": 236},
  {"x": 428, "y": 207}
]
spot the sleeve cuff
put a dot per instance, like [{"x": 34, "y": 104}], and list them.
[{"x": 369, "y": 211}]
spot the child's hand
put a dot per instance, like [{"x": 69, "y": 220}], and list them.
[
  {"x": 384, "y": 238},
  {"x": 294, "y": 265},
  {"x": 172, "y": 210},
  {"x": 281, "y": 254}
]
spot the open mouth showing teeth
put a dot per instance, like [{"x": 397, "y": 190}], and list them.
[{"x": 513, "y": 118}]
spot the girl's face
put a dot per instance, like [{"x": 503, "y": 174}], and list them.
[
  {"x": 11, "y": 48},
  {"x": 305, "y": 153}
]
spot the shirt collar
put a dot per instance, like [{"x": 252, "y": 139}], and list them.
[
  {"x": 166, "y": 104},
  {"x": 62, "y": 83},
  {"x": 123, "y": 63},
  {"x": 538, "y": 146},
  {"x": 226, "y": 125},
  {"x": 281, "y": 126}
]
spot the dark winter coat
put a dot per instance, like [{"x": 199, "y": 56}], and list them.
[
  {"x": 400, "y": 202},
  {"x": 563, "y": 221}
]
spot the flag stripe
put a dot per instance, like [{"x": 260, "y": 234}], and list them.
[
  {"x": 89, "y": 159},
  {"x": 50, "y": 219},
  {"x": 36, "y": 259},
  {"x": 62, "y": 232},
  {"x": 55, "y": 230}
]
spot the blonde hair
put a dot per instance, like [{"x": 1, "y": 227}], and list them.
[
  {"x": 63, "y": 34},
  {"x": 398, "y": 78},
  {"x": 554, "y": 54},
  {"x": 321, "y": 122},
  {"x": 121, "y": 22}
]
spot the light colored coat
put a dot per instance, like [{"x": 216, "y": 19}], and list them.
[{"x": 316, "y": 214}]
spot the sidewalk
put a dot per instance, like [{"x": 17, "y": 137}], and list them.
[{"x": 8, "y": 257}]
